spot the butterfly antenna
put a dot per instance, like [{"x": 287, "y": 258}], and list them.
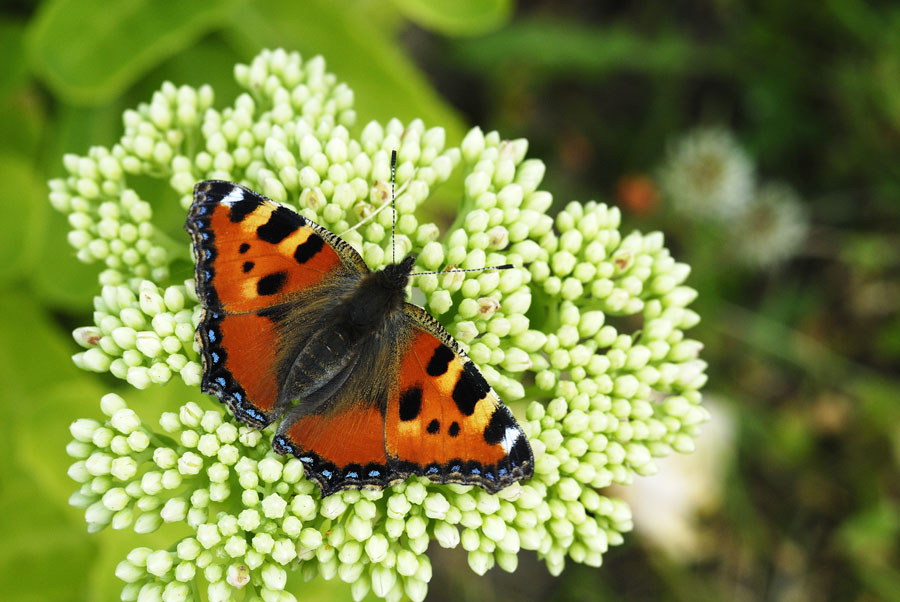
[
  {"x": 378, "y": 210},
  {"x": 393, "y": 207},
  {"x": 505, "y": 266}
]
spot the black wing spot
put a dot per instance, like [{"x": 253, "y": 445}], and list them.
[
  {"x": 453, "y": 431},
  {"x": 243, "y": 248},
  {"x": 440, "y": 361},
  {"x": 434, "y": 426},
  {"x": 248, "y": 265},
  {"x": 410, "y": 403},
  {"x": 244, "y": 207},
  {"x": 497, "y": 425},
  {"x": 470, "y": 389},
  {"x": 308, "y": 249},
  {"x": 271, "y": 284},
  {"x": 281, "y": 224}
]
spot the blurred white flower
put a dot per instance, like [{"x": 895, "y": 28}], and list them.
[
  {"x": 668, "y": 506},
  {"x": 707, "y": 175},
  {"x": 771, "y": 228}
]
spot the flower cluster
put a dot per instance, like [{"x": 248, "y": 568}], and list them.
[
  {"x": 143, "y": 335},
  {"x": 588, "y": 330},
  {"x": 708, "y": 177}
]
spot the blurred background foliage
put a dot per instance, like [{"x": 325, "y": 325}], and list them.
[{"x": 792, "y": 496}]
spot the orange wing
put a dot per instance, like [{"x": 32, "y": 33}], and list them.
[
  {"x": 418, "y": 406},
  {"x": 341, "y": 448},
  {"x": 255, "y": 260},
  {"x": 444, "y": 420}
]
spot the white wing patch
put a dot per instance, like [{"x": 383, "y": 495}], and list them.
[
  {"x": 233, "y": 197},
  {"x": 510, "y": 436}
]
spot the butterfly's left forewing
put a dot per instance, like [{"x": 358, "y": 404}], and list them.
[{"x": 255, "y": 260}]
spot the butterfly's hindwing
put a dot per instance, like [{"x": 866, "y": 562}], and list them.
[
  {"x": 445, "y": 421},
  {"x": 341, "y": 448},
  {"x": 341, "y": 441}
]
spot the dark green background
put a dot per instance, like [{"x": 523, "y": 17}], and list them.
[{"x": 800, "y": 354}]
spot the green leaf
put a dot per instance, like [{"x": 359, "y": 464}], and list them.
[
  {"x": 36, "y": 352},
  {"x": 42, "y": 534},
  {"x": 22, "y": 121},
  {"x": 59, "y": 279},
  {"x": 40, "y": 540},
  {"x": 41, "y": 436},
  {"x": 13, "y": 69},
  {"x": 560, "y": 47},
  {"x": 457, "y": 18},
  {"x": 386, "y": 83},
  {"x": 209, "y": 62},
  {"x": 23, "y": 201},
  {"x": 89, "y": 51}
]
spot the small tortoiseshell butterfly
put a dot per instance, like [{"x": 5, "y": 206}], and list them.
[{"x": 372, "y": 388}]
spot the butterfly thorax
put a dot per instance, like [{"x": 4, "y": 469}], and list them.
[
  {"x": 327, "y": 358},
  {"x": 379, "y": 295}
]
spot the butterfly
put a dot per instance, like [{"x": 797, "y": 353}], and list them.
[{"x": 371, "y": 389}]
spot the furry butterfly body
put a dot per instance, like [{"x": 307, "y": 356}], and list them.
[{"x": 371, "y": 388}]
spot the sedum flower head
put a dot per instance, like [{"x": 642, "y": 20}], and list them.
[
  {"x": 707, "y": 175},
  {"x": 586, "y": 335}
]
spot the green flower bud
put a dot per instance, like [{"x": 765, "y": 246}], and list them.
[
  {"x": 190, "y": 463},
  {"x": 470, "y": 539},
  {"x": 237, "y": 576},
  {"x": 309, "y": 540},
  {"x": 159, "y": 563},
  {"x": 83, "y": 429},
  {"x": 128, "y": 572},
  {"x": 147, "y": 523},
  {"x": 480, "y": 562},
  {"x": 174, "y": 510}
]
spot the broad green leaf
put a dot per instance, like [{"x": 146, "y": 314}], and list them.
[
  {"x": 36, "y": 353},
  {"x": 13, "y": 69},
  {"x": 89, "y": 51},
  {"x": 77, "y": 128},
  {"x": 386, "y": 82},
  {"x": 22, "y": 121},
  {"x": 209, "y": 62},
  {"x": 42, "y": 432},
  {"x": 46, "y": 551},
  {"x": 560, "y": 47},
  {"x": 24, "y": 206},
  {"x": 59, "y": 279},
  {"x": 457, "y": 18},
  {"x": 42, "y": 534}
]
